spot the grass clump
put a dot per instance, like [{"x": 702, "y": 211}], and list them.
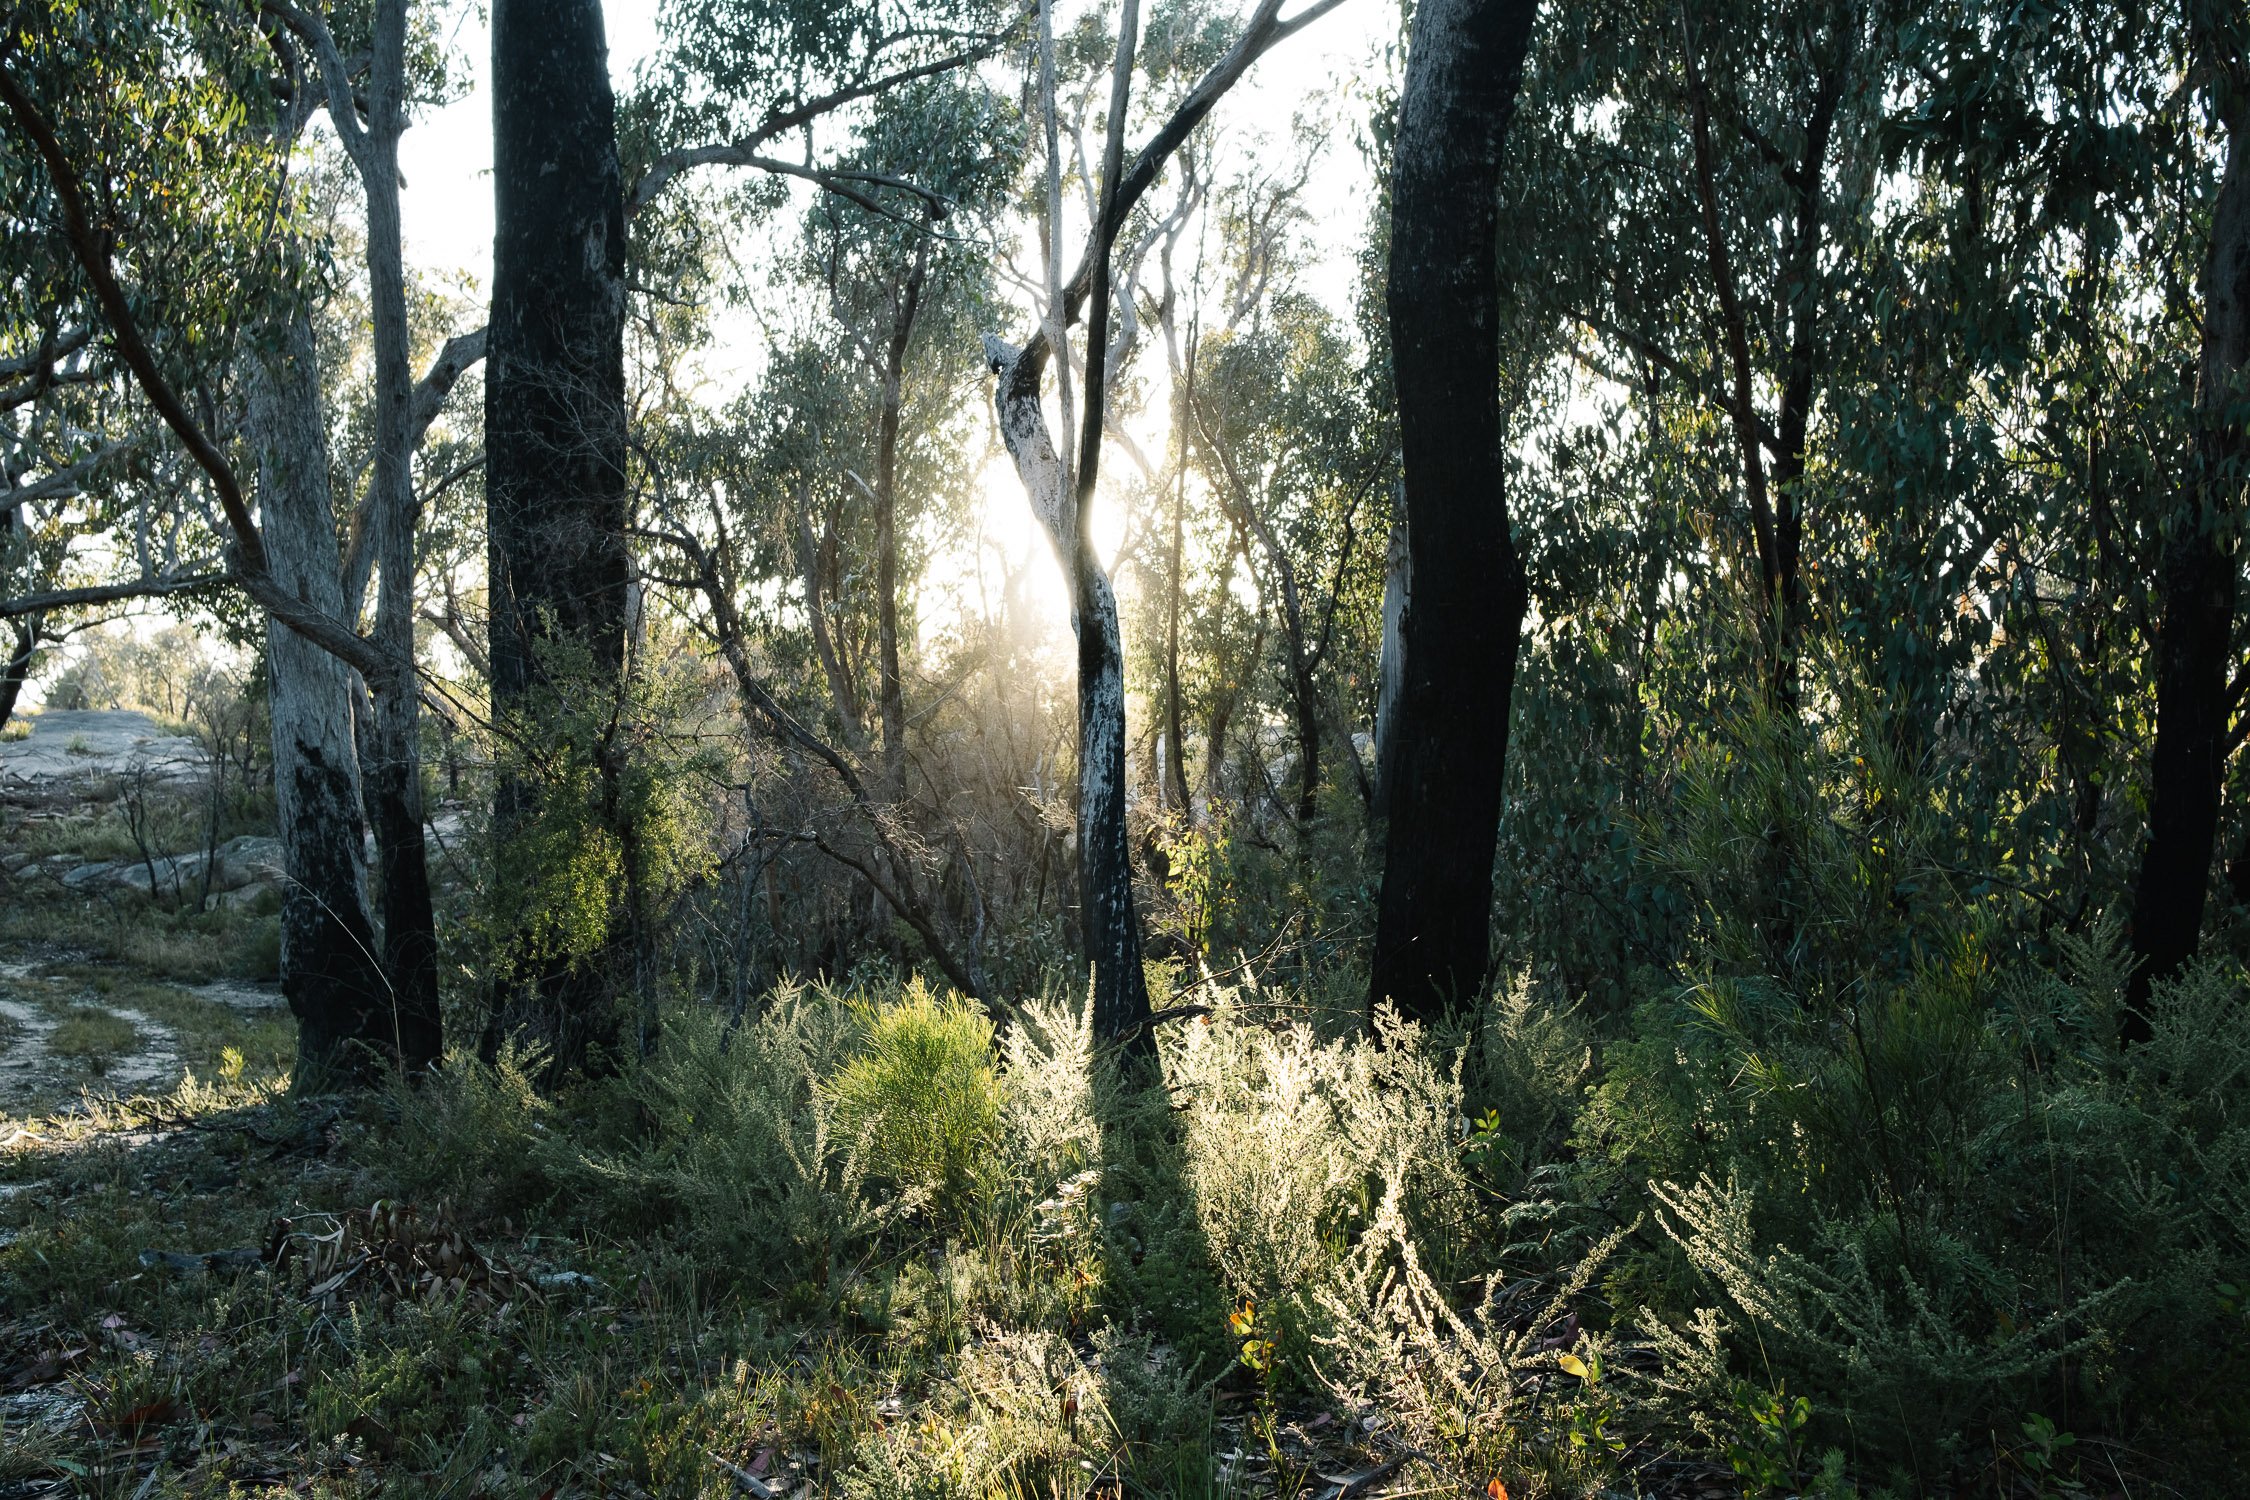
[{"x": 92, "y": 1035}]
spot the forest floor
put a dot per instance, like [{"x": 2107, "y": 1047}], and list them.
[{"x": 211, "y": 1287}]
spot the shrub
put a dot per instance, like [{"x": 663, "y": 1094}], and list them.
[{"x": 923, "y": 1096}]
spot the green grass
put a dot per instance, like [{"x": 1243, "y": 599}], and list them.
[{"x": 92, "y": 1035}]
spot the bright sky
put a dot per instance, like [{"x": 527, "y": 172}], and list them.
[
  {"x": 445, "y": 161},
  {"x": 446, "y": 158}
]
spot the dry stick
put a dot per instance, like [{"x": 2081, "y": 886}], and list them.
[{"x": 92, "y": 252}]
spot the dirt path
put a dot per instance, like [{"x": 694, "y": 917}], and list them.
[{"x": 34, "y": 1075}]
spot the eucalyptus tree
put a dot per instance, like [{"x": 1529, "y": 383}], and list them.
[
  {"x": 822, "y": 478},
  {"x": 555, "y": 501},
  {"x": 206, "y": 267},
  {"x": 1463, "y": 628},
  {"x": 2199, "y": 713},
  {"x": 737, "y": 79},
  {"x": 1301, "y": 465},
  {"x": 1061, "y": 484},
  {"x": 369, "y": 115},
  {"x": 885, "y": 277}
]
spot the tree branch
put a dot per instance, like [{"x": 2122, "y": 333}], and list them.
[
  {"x": 92, "y": 252},
  {"x": 110, "y": 593},
  {"x": 744, "y": 150}
]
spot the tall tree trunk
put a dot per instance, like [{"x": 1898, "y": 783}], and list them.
[
  {"x": 893, "y": 375},
  {"x": 2199, "y": 586},
  {"x": 17, "y": 668},
  {"x": 392, "y": 764},
  {"x": 1109, "y": 924},
  {"x": 1461, "y": 638},
  {"x": 347, "y": 1021},
  {"x": 1173, "y": 772},
  {"x": 555, "y": 449}
]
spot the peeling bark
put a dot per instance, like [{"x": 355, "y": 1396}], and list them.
[{"x": 1109, "y": 925}]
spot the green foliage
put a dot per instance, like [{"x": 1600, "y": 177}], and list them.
[{"x": 923, "y": 1096}]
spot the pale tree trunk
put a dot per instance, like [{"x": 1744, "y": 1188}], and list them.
[
  {"x": 2200, "y": 582},
  {"x": 346, "y": 1020},
  {"x": 390, "y": 734},
  {"x": 1109, "y": 925},
  {"x": 1461, "y": 638},
  {"x": 393, "y": 767}
]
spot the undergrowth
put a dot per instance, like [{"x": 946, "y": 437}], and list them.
[{"x": 872, "y": 1244}]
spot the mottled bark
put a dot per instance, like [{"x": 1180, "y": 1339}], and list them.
[
  {"x": 555, "y": 448},
  {"x": 17, "y": 667},
  {"x": 2199, "y": 585},
  {"x": 1461, "y": 638},
  {"x": 347, "y": 1019},
  {"x": 1109, "y": 925}
]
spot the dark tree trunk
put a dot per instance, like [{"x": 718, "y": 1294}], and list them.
[
  {"x": 2195, "y": 650},
  {"x": 893, "y": 376},
  {"x": 555, "y": 445},
  {"x": 1109, "y": 925},
  {"x": 1461, "y": 636},
  {"x": 347, "y": 1021},
  {"x": 17, "y": 667}
]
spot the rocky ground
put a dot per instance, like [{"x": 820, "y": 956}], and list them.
[
  {"x": 67, "y": 752},
  {"x": 128, "y": 957}
]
